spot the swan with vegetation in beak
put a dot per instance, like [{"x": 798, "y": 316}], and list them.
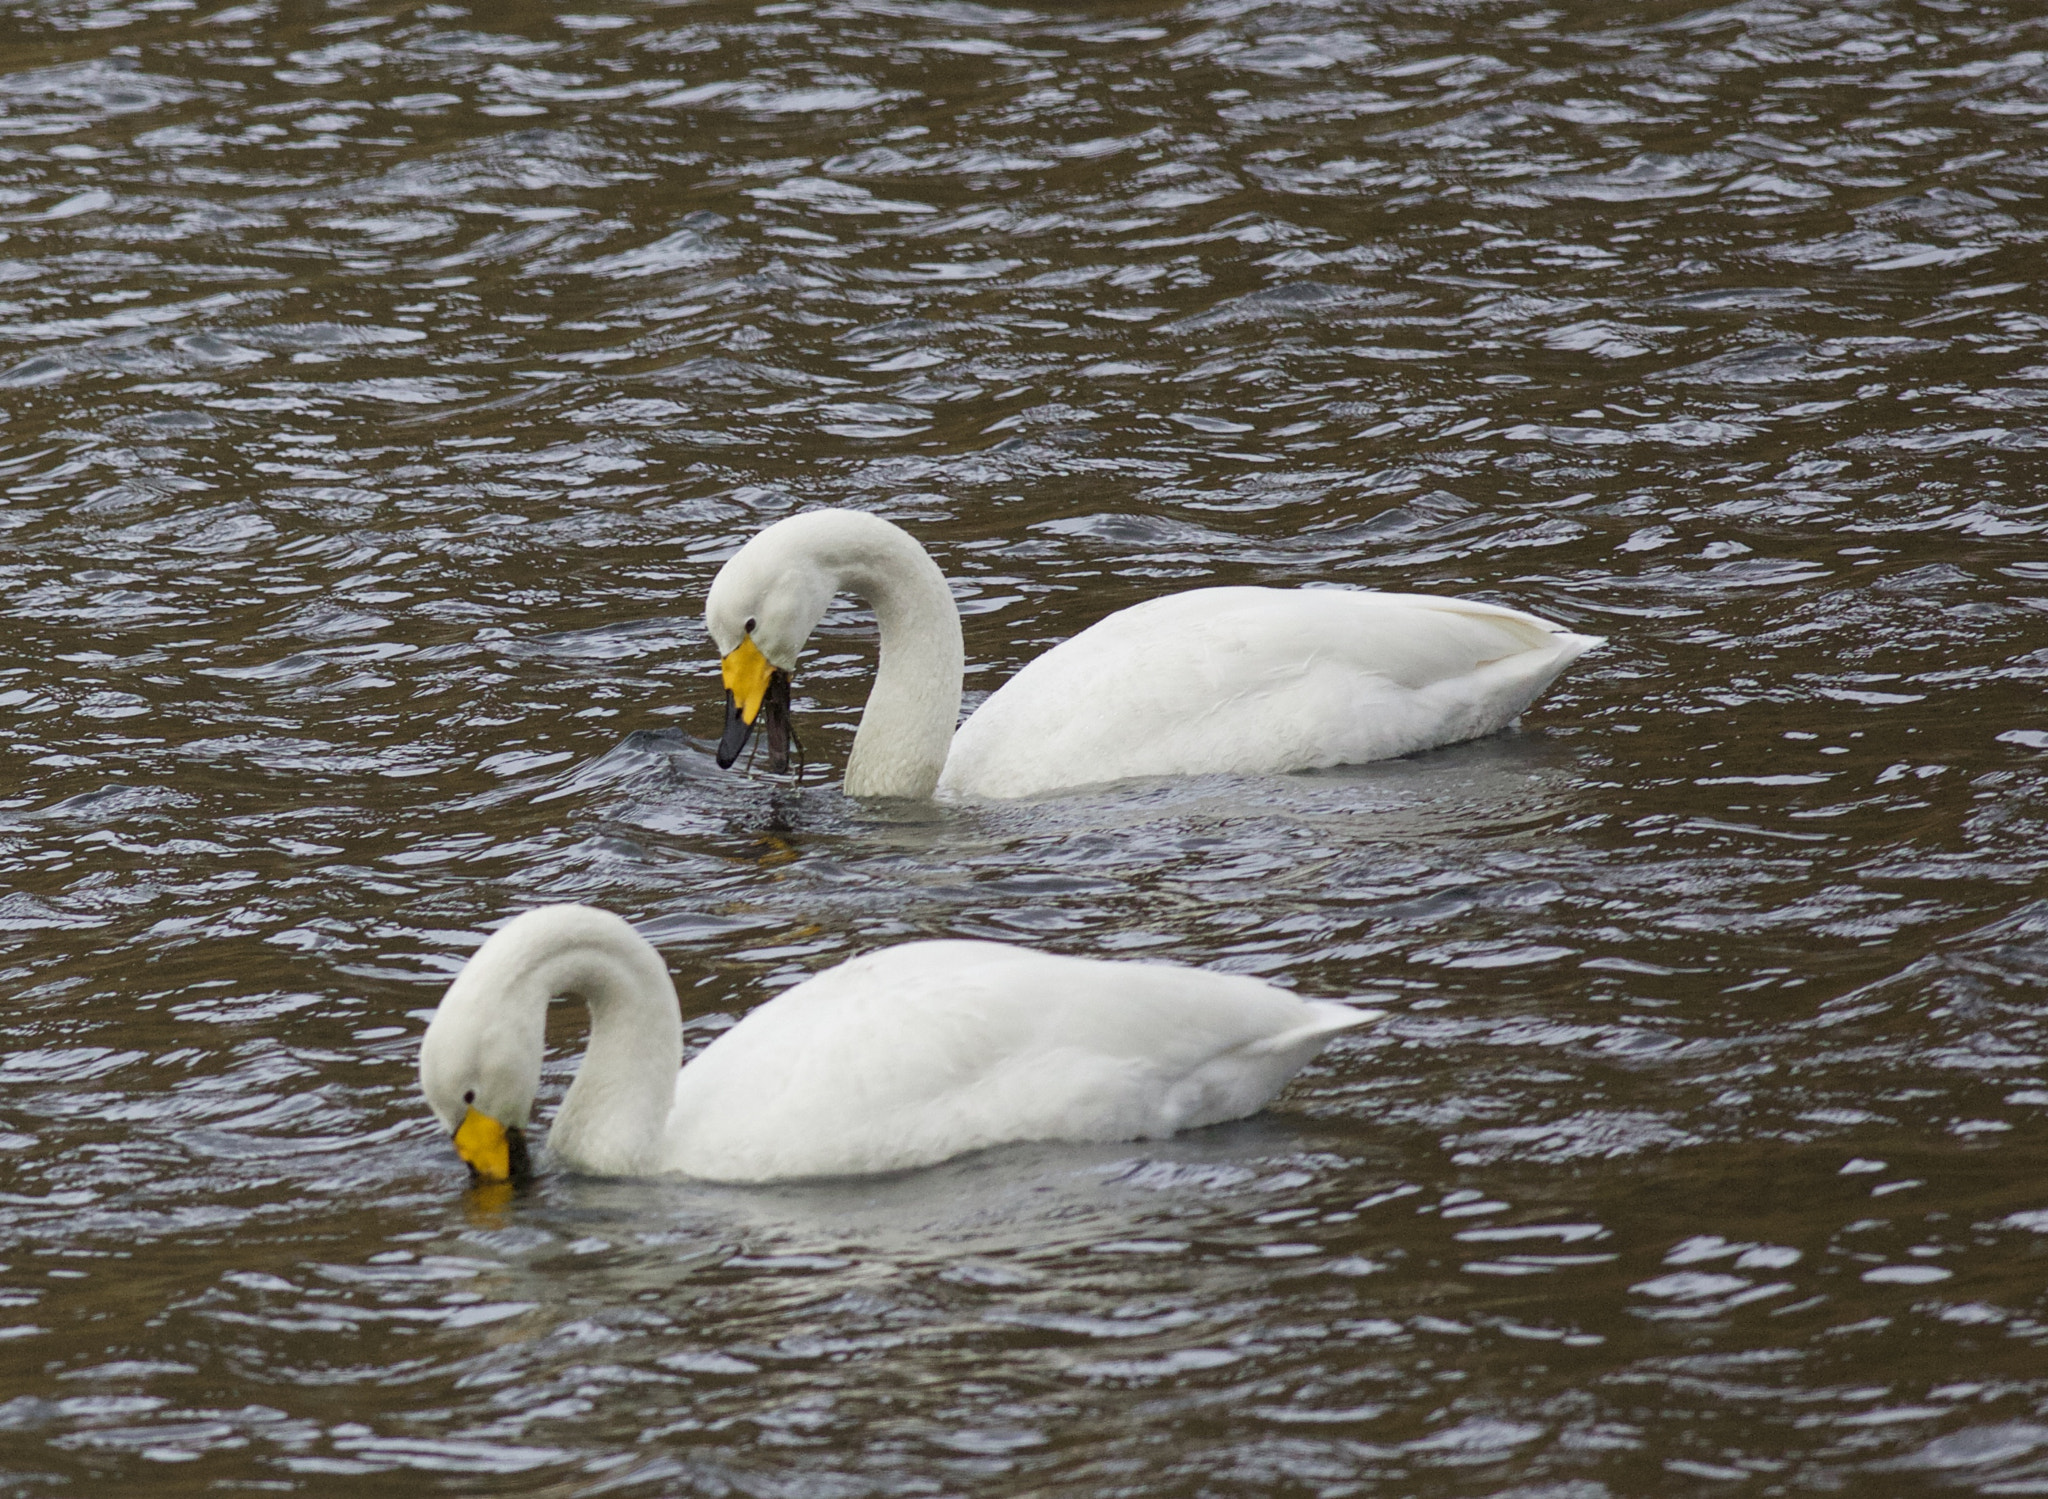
[{"x": 1246, "y": 681}]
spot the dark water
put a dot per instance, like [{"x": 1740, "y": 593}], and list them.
[{"x": 382, "y": 385}]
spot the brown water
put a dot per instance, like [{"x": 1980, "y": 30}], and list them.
[{"x": 382, "y": 385}]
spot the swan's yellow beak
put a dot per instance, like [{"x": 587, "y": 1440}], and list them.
[
  {"x": 492, "y": 1152},
  {"x": 748, "y": 676},
  {"x": 746, "y": 673}
]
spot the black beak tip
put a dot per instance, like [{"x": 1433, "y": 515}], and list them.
[
  {"x": 521, "y": 1159},
  {"x": 737, "y": 732}
]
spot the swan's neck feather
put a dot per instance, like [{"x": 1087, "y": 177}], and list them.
[{"x": 907, "y": 726}]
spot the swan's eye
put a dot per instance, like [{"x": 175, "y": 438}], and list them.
[
  {"x": 750, "y": 625},
  {"x": 470, "y": 1096}
]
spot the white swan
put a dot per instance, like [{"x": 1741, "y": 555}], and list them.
[
  {"x": 901, "y": 1058},
  {"x": 1247, "y": 680}
]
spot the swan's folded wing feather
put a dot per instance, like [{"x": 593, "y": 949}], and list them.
[
  {"x": 1255, "y": 680},
  {"x": 923, "y": 1051}
]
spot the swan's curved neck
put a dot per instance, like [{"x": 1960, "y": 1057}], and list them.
[
  {"x": 907, "y": 726},
  {"x": 616, "y": 1113}
]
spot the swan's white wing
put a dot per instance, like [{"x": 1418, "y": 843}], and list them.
[
  {"x": 921, "y": 1052},
  {"x": 1256, "y": 680}
]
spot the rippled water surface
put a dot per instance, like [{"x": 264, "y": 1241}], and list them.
[{"x": 381, "y": 385}]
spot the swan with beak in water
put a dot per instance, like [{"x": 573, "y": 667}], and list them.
[
  {"x": 902, "y": 1058},
  {"x": 1243, "y": 680}
]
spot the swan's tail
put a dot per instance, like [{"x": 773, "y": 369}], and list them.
[
  {"x": 1571, "y": 647},
  {"x": 1326, "y": 1017}
]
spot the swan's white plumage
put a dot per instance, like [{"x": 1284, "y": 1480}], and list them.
[
  {"x": 1246, "y": 680},
  {"x": 1256, "y": 680},
  {"x": 901, "y": 1058}
]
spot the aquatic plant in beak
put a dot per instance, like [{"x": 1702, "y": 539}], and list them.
[{"x": 772, "y": 716}]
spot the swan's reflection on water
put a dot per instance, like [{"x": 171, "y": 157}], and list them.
[{"x": 1024, "y": 1201}]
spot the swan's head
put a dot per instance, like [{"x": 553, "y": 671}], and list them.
[
  {"x": 480, "y": 1060},
  {"x": 763, "y": 605}
]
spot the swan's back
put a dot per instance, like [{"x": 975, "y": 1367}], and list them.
[
  {"x": 1256, "y": 680},
  {"x": 924, "y": 1051}
]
